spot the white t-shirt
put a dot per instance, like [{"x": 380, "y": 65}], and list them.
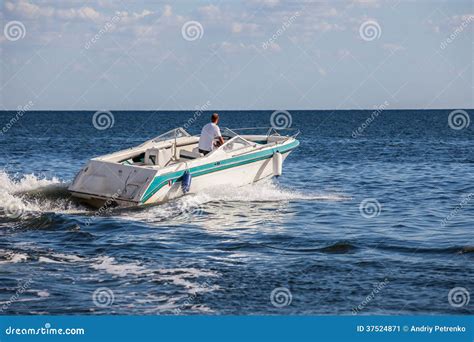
[{"x": 208, "y": 133}]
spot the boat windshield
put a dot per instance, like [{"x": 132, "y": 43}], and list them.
[
  {"x": 173, "y": 134},
  {"x": 235, "y": 144},
  {"x": 228, "y": 133}
]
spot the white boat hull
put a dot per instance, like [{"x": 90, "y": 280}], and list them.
[{"x": 233, "y": 177}]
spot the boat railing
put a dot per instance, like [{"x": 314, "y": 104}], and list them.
[{"x": 269, "y": 131}]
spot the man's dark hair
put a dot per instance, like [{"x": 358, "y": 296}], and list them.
[{"x": 214, "y": 117}]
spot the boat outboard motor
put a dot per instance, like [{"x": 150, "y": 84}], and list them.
[
  {"x": 277, "y": 164},
  {"x": 186, "y": 181}
]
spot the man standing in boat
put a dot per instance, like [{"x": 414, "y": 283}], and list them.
[{"x": 210, "y": 136}]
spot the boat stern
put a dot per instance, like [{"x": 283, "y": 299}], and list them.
[{"x": 102, "y": 183}]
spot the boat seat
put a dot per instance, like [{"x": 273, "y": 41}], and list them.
[
  {"x": 158, "y": 156},
  {"x": 275, "y": 138},
  {"x": 194, "y": 154}
]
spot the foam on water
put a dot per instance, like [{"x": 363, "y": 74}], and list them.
[
  {"x": 10, "y": 257},
  {"x": 262, "y": 192},
  {"x": 111, "y": 266},
  {"x": 28, "y": 182},
  {"x": 33, "y": 194},
  {"x": 187, "y": 278}
]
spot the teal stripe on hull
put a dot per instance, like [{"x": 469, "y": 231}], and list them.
[{"x": 160, "y": 181}]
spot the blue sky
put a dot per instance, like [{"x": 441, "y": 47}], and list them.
[{"x": 252, "y": 54}]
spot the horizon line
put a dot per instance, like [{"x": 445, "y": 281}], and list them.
[{"x": 223, "y": 110}]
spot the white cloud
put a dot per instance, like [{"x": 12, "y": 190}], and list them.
[
  {"x": 463, "y": 19},
  {"x": 211, "y": 11},
  {"x": 268, "y": 3},
  {"x": 28, "y": 10},
  {"x": 168, "y": 11},
  {"x": 238, "y": 27},
  {"x": 229, "y": 47},
  {"x": 324, "y": 26},
  {"x": 78, "y": 13},
  {"x": 144, "y": 14},
  {"x": 25, "y": 9},
  {"x": 331, "y": 12},
  {"x": 451, "y": 23},
  {"x": 274, "y": 47},
  {"x": 392, "y": 47},
  {"x": 367, "y": 3}
]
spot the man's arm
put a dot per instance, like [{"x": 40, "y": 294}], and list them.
[{"x": 220, "y": 140}]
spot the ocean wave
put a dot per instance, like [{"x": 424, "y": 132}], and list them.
[{"x": 31, "y": 195}]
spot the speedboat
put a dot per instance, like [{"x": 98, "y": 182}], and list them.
[{"x": 170, "y": 166}]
